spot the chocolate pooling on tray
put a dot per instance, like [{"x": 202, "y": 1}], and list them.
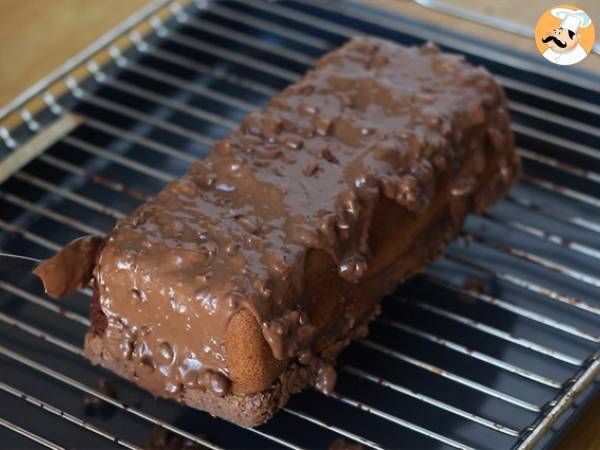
[
  {"x": 343, "y": 444},
  {"x": 246, "y": 239},
  {"x": 163, "y": 439},
  {"x": 71, "y": 268},
  {"x": 95, "y": 405}
]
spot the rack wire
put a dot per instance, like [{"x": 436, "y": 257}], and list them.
[{"x": 491, "y": 348}]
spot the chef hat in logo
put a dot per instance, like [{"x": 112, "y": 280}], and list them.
[{"x": 572, "y": 19}]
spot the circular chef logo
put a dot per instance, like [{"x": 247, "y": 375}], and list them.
[{"x": 564, "y": 35}]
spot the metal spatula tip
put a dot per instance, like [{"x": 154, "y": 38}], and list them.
[{"x": 18, "y": 263}]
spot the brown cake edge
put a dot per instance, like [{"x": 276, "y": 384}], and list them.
[{"x": 244, "y": 410}]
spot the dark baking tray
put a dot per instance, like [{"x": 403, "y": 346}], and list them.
[{"x": 442, "y": 365}]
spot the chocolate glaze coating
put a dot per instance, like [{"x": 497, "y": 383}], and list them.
[{"x": 244, "y": 235}]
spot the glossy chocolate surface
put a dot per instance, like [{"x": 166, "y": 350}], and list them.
[{"x": 373, "y": 120}]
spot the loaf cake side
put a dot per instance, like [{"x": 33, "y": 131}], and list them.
[{"x": 239, "y": 284}]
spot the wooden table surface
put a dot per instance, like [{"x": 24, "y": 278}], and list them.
[{"x": 36, "y": 36}]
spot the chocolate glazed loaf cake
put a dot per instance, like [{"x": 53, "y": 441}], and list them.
[{"x": 240, "y": 283}]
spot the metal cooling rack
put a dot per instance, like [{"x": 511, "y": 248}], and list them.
[{"x": 496, "y": 346}]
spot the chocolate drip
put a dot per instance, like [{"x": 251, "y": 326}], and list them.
[
  {"x": 71, "y": 268},
  {"x": 326, "y": 379}
]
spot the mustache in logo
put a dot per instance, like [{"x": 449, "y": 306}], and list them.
[{"x": 556, "y": 41}]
